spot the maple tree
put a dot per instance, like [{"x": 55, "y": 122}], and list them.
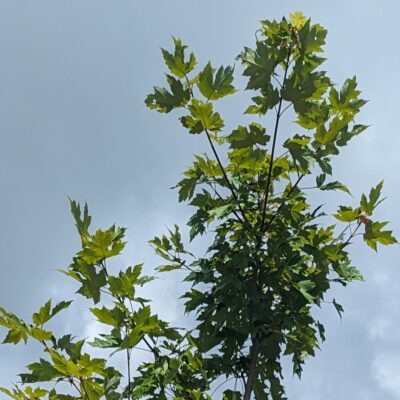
[{"x": 273, "y": 253}]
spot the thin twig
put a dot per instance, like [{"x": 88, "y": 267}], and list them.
[
  {"x": 73, "y": 383},
  {"x": 222, "y": 384},
  {"x": 349, "y": 238},
  {"x": 286, "y": 108},
  {"x": 277, "y": 80}
]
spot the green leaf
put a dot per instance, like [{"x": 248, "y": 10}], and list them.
[
  {"x": 169, "y": 267},
  {"x": 320, "y": 179},
  {"x": 269, "y": 99},
  {"x": 43, "y": 315},
  {"x": 298, "y": 89},
  {"x": 368, "y": 206},
  {"x": 107, "y": 316},
  {"x": 46, "y": 313},
  {"x": 214, "y": 86},
  {"x": 18, "y": 330},
  {"x": 15, "y": 335},
  {"x": 92, "y": 282},
  {"x": 132, "y": 339},
  {"x": 243, "y": 137},
  {"x": 41, "y": 371},
  {"x": 374, "y": 235},
  {"x": 312, "y": 38},
  {"x": 232, "y": 395},
  {"x": 165, "y": 101},
  {"x": 82, "y": 221},
  {"x": 338, "y": 308},
  {"x": 208, "y": 168},
  {"x": 347, "y": 214},
  {"x": 186, "y": 187},
  {"x": 202, "y": 118},
  {"x": 316, "y": 115},
  {"x": 335, "y": 186},
  {"x": 305, "y": 287},
  {"x": 345, "y": 135},
  {"x": 40, "y": 334},
  {"x": 28, "y": 393},
  {"x": 247, "y": 160},
  {"x": 8, "y": 393},
  {"x": 325, "y": 137},
  {"x": 124, "y": 284},
  {"x": 62, "y": 305},
  {"x": 176, "y": 62},
  {"x": 347, "y": 101},
  {"x": 348, "y": 272},
  {"x": 297, "y": 19},
  {"x": 324, "y": 164},
  {"x": 298, "y": 149},
  {"x": 103, "y": 245},
  {"x": 220, "y": 211},
  {"x": 259, "y": 65},
  {"x": 106, "y": 342},
  {"x": 321, "y": 331}
]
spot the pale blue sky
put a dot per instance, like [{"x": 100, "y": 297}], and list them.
[{"x": 73, "y": 77}]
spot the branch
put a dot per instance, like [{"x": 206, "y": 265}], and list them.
[
  {"x": 278, "y": 117},
  {"x": 346, "y": 243},
  {"x": 231, "y": 188},
  {"x": 286, "y": 108},
  {"x": 72, "y": 382},
  {"x": 154, "y": 350},
  {"x": 277, "y": 81},
  {"x": 128, "y": 360},
  {"x": 255, "y": 350}
]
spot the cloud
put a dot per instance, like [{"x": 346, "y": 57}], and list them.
[
  {"x": 386, "y": 372},
  {"x": 380, "y": 327}
]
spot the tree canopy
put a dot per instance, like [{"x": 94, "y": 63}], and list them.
[{"x": 273, "y": 252}]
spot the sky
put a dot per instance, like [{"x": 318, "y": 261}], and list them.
[{"x": 73, "y": 78}]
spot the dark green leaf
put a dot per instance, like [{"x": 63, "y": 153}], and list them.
[{"x": 215, "y": 85}]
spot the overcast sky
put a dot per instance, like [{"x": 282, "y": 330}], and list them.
[{"x": 73, "y": 77}]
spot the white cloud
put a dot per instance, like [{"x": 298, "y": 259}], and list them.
[
  {"x": 380, "y": 327},
  {"x": 386, "y": 371}
]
